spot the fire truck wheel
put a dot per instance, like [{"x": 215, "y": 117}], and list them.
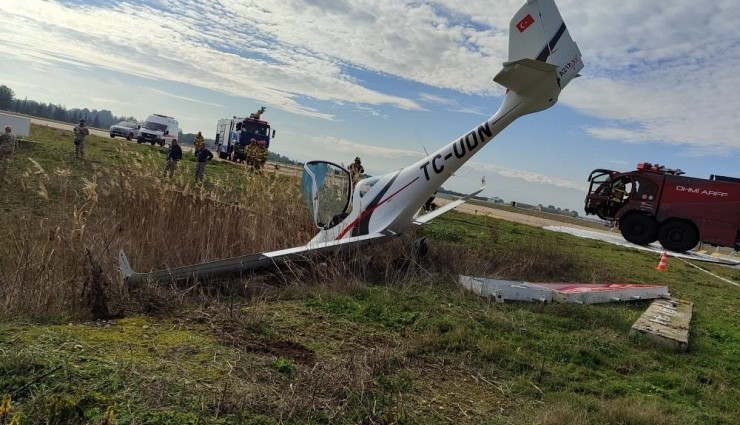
[
  {"x": 639, "y": 229},
  {"x": 678, "y": 235}
]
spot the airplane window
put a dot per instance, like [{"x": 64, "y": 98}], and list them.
[
  {"x": 645, "y": 190},
  {"x": 366, "y": 185}
]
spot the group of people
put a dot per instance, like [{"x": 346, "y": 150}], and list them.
[
  {"x": 256, "y": 155},
  {"x": 202, "y": 155},
  {"x": 8, "y": 143}
]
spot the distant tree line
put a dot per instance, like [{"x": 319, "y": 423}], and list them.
[
  {"x": 276, "y": 157},
  {"x": 94, "y": 118}
]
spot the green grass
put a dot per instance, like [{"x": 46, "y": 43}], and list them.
[{"x": 346, "y": 344}]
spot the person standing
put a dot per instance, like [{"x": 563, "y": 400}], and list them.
[
  {"x": 199, "y": 141},
  {"x": 262, "y": 154},
  {"x": 240, "y": 152},
  {"x": 174, "y": 155},
  {"x": 80, "y": 131},
  {"x": 252, "y": 151},
  {"x": 356, "y": 169},
  {"x": 201, "y": 156},
  {"x": 7, "y": 148}
]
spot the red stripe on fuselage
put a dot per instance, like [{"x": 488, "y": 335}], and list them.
[{"x": 370, "y": 211}]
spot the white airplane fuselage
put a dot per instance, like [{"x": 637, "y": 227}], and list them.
[{"x": 389, "y": 206}]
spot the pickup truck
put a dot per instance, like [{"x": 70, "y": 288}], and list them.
[{"x": 127, "y": 129}]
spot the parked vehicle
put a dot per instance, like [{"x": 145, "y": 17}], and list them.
[
  {"x": 240, "y": 131},
  {"x": 158, "y": 129},
  {"x": 656, "y": 203},
  {"x": 127, "y": 129},
  {"x": 226, "y": 136}
]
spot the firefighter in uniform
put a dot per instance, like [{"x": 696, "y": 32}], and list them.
[
  {"x": 356, "y": 169},
  {"x": 262, "y": 154},
  {"x": 252, "y": 153},
  {"x": 199, "y": 142}
]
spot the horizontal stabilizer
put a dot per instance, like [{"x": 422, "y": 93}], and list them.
[
  {"x": 525, "y": 75},
  {"x": 441, "y": 210}
]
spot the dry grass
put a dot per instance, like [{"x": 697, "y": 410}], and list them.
[
  {"x": 619, "y": 411},
  {"x": 78, "y": 222},
  {"x": 45, "y": 272}
]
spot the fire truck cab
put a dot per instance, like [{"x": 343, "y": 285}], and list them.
[
  {"x": 654, "y": 203},
  {"x": 233, "y": 135}
]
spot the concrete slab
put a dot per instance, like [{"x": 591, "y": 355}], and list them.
[{"x": 666, "y": 324}]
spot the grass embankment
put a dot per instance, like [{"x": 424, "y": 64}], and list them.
[{"x": 345, "y": 342}]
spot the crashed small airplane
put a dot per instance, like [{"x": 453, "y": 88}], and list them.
[{"x": 542, "y": 60}]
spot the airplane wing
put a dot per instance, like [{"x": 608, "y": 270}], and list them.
[
  {"x": 246, "y": 264},
  {"x": 423, "y": 219}
]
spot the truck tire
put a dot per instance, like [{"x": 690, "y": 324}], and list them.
[
  {"x": 152, "y": 142},
  {"x": 130, "y": 136},
  {"x": 640, "y": 229},
  {"x": 678, "y": 235},
  {"x": 112, "y": 136}
]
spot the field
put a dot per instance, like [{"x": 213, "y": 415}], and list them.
[{"x": 375, "y": 338}]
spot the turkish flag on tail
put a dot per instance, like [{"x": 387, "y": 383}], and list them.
[{"x": 525, "y": 23}]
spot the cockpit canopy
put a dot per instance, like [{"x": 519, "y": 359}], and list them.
[{"x": 327, "y": 189}]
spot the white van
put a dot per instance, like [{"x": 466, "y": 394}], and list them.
[
  {"x": 226, "y": 136},
  {"x": 158, "y": 129}
]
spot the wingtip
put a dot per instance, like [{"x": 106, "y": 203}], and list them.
[{"x": 126, "y": 269}]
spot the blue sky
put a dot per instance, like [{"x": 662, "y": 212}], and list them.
[{"x": 386, "y": 79}]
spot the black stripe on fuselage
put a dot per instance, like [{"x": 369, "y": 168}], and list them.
[
  {"x": 363, "y": 228},
  {"x": 545, "y": 53}
]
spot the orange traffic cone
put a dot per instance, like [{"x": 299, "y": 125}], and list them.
[{"x": 663, "y": 263}]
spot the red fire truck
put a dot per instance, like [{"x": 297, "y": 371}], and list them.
[{"x": 656, "y": 203}]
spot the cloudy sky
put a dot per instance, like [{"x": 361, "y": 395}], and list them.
[{"x": 389, "y": 79}]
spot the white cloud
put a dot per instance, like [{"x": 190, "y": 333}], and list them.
[
  {"x": 658, "y": 72},
  {"x": 189, "y": 99},
  {"x": 654, "y": 73}
]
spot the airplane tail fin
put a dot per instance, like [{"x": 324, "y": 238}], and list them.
[
  {"x": 537, "y": 32},
  {"x": 541, "y": 51}
]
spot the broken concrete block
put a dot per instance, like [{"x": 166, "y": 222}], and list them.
[{"x": 666, "y": 324}]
